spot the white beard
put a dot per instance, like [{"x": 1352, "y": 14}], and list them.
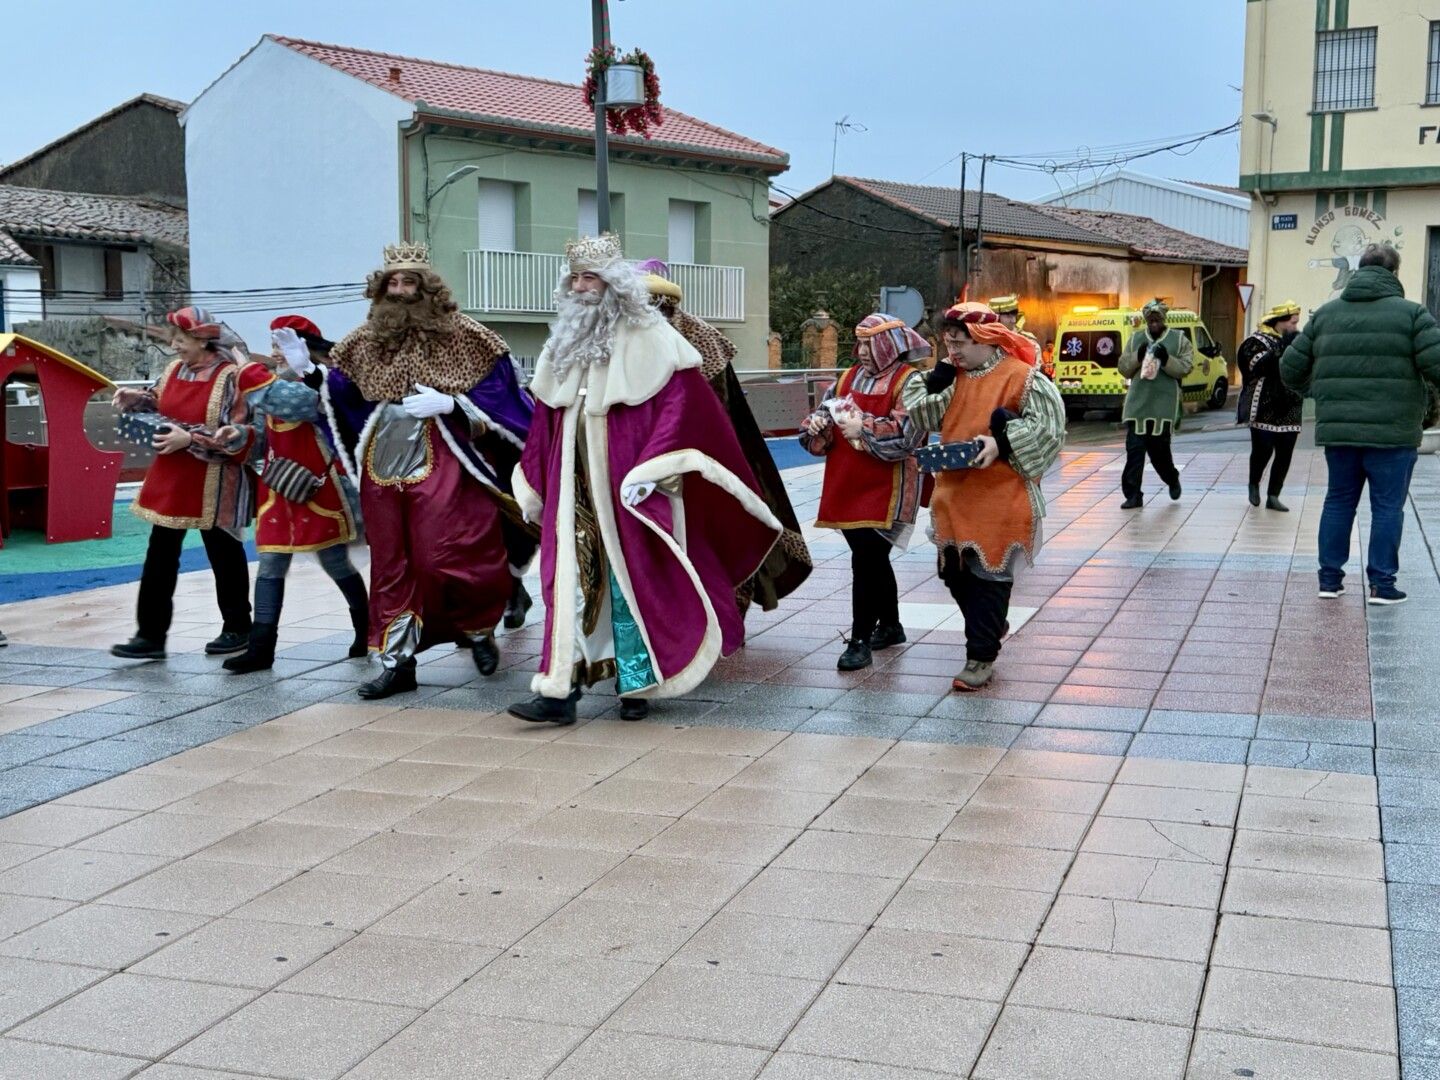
[{"x": 583, "y": 331}]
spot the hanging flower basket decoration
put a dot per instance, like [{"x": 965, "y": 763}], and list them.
[{"x": 636, "y": 117}]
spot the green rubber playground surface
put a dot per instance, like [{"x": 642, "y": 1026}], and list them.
[{"x": 30, "y": 567}]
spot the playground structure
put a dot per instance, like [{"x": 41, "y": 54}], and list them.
[{"x": 59, "y": 482}]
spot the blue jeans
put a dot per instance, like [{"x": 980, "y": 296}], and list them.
[{"x": 1387, "y": 469}]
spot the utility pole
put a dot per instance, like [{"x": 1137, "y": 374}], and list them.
[
  {"x": 600, "y": 19},
  {"x": 980, "y": 214},
  {"x": 964, "y": 247}
]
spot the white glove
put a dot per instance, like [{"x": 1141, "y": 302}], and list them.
[
  {"x": 427, "y": 402},
  {"x": 295, "y": 351},
  {"x": 635, "y": 494}
]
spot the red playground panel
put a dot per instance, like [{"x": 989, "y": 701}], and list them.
[{"x": 67, "y": 478}]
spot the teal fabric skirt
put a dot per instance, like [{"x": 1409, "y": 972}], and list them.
[{"x": 634, "y": 671}]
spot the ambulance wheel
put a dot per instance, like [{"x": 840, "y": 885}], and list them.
[{"x": 1218, "y": 395}]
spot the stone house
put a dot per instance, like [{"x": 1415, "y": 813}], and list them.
[{"x": 1052, "y": 257}]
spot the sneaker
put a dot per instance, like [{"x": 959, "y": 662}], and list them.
[
  {"x": 886, "y": 636},
  {"x": 137, "y": 648},
  {"x": 976, "y": 674},
  {"x": 228, "y": 642},
  {"x": 855, "y": 656},
  {"x": 1135, "y": 502},
  {"x": 1385, "y": 594},
  {"x": 1330, "y": 592}
]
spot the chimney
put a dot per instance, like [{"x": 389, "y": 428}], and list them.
[{"x": 395, "y": 75}]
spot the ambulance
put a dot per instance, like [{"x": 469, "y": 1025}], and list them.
[{"x": 1089, "y": 343}]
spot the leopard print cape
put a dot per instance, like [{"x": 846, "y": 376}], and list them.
[{"x": 452, "y": 363}]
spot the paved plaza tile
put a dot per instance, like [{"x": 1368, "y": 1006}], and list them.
[{"x": 1192, "y": 830}]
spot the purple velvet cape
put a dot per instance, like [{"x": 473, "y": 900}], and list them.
[
  {"x": 498, "y": 395},
  {"x": 724, "y": 541}
]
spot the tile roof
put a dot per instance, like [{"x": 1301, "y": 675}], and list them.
[
  {"x": 1141, "y": 236},
  {"x": 12, "y": 254},
  {"x": 523, "y": 101},
  {"x": 1007, "y": 217},
  {"x": 1149, "y": 239},
  {"x": 169, "y": 104},
  {"x": 68, "y": 215}
]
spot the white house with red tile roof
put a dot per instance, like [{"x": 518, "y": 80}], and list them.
[{"x": 304, "y": 159}]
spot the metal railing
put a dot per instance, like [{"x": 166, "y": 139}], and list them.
[{"x": 523, "y": 283}]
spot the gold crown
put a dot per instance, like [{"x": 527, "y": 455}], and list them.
[
  {"x": 593, "y": 252},
  {"x": 407, "y": 256}
]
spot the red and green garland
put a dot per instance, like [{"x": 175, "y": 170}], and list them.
[{"x": 638, "y": 119}]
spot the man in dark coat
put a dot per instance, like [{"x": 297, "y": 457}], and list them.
[{"x": 1365, "y": 358}]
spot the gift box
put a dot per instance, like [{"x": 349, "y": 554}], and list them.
[
  {"x": 947, "y": 457},
  {"x": 140, "y": 427}
]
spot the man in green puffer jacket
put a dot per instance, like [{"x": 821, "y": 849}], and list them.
[{"x": 1365, "y": 359}]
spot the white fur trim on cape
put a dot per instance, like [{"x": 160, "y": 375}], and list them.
[
  {"x": 366, "y": 434},
  {"x": 555, "y": 681},
  {"x": 642, "y": 361},
  {"x": 340, "y": 452},
  {"x": 495, "y": 426},
  {"x": 465, "y": 462},
  {"x": 525, "y": 496}
]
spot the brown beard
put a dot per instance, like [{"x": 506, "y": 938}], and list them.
[{"x": 393, "y": 319}]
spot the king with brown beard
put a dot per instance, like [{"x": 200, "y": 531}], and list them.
[{"x": 426, "y": 414}]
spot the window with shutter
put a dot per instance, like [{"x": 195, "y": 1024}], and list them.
[
  {"x": 497, "y": 215},
  {"x": 588, "y": 221},
  {"x": 682, "y": 231}
]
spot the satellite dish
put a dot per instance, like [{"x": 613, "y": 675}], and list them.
[{"x": 903, "y": 302}]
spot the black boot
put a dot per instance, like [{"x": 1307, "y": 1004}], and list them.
[
  {"x": 229, "y": 641},
  {"x": 634, "y": 708},
  {"x": 886, "y": 636},
  {"x": 259, "y": 654},
  {"x": 396, "y": 680},
  {"x": 855, "y": 656},
  {"x": 547, "y": 710},
  {"x": 1134, "y": 502},
  {"x": 1175, "y": 491},
  {"x": 352, "y": 587},
  {"x": 486, "y": 655},
  {"x": 518, "y": 607},
  {"x": 138, "y": 648},
  {"x": 1274, "y": 503},
  {"x": 1254, "y": 494}
]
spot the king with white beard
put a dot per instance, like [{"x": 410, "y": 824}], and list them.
[{"x": 650, "y": 514}]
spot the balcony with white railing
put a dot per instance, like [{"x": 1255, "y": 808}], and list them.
[{"x": 523, "y": 283}]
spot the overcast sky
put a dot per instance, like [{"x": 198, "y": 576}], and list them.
[{"x": 926, "y": 78}]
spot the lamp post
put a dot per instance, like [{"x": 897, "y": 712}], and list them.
[
  {"x": 600, "y": 21},
  {"x": 455, "y": 174}
]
